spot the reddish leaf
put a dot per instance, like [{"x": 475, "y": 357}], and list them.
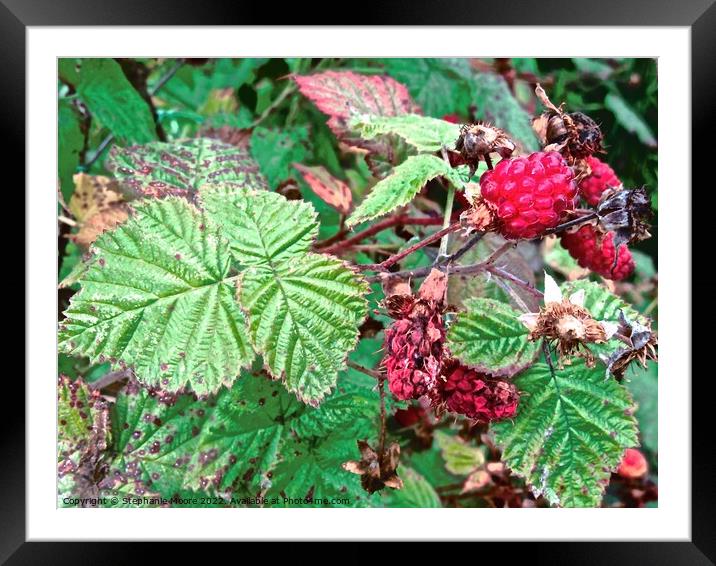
[
  {"x": 343, "y": 95},
  {"x": 329, "y": 189}
]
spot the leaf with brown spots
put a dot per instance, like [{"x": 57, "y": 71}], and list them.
[{"x": 93, "y": 194}]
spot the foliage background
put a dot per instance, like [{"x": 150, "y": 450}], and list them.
[{"x": 140, "y": 100}]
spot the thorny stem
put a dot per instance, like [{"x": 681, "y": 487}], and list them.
[
  {"x": 371, "y": 372},
  {"x": 108, "y": 140},
  {"x": 392, "y": 260},
  {"x": 516, "y": 280},
  {"x": 381, "y": 442},
  {"x": 448, "y": 209},
  {"x": 466, "y": 247},
  {"x": 380, "y": 377},
  {"x": 275, "y": 104},
  {"x": 570, "y": 223},
  {"x": 66, "y": 220},
  {"x": 390, "y": 222}
]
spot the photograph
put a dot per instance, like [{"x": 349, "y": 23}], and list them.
[{"x": 357, "y": 282}]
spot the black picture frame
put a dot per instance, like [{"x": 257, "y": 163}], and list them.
[{"x": 698, "y": 15}]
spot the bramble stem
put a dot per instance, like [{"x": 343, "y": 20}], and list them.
[
  {"x": 390, "y": 222},
  {"x": 569, "y": 224},
  {"x": 448, "y": 208},
  {"x": 446, "y": 221},
  {"x": 392, "y": 260}
]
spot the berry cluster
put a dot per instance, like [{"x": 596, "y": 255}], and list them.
[
  {"x": 595, "y": 250},
  {"x": 529, "y": 194}
]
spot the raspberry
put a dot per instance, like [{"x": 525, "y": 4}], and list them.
[
  {"x": 529, "y": 194},
  {"x": 475, "y": 395},
  {"x": 633, "y": 464},
  {"x": 595, "y": 251},
  {"x": 601, "y": 178}
]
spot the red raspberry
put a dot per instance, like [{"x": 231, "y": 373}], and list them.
[
  {"x": 595, "y": 251},
  {"x": 529, "y": 194},
  {"x": 633, "y": 464},
  {"x": 601, "y": 178},
  {"x": 477, "y": 396}
]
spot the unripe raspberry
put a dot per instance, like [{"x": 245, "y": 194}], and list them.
[
  {"x": 529, "y": 194},
  {"x": 475, "y": 395},
  {"x": 595, "y": 250},
  {"x": 599, "y": 180},
  {"x": 633, "y": 464}
]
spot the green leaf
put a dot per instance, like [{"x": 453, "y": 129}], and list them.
[
  {"x": 460, "y": 457},
  {"x": 423, "y": 133},
  {"x": 112, "y": 99},
  {"x": 71, "y": 141},
  {"x": 304, "y": 315},
  {"x": 253, "y": 439},
  {"x": 440, "y": 86},
  {"x": 402, "y": 185},
  {"x": 600, "y": 302},
  {"x": 180, "y": 169},
  {"x": 569, "y": 433},
  {"x": 495, "y": 103},
  {"x": 490, "y": 337},
  {"x": 263, "y": 228},
  {"x": 304, "y": 309},
  {"x": 416, "y": 492},
  {"x": 277, "y": 150},
  {"x": 158, "y": 297},
  {"x": 628, "y": 118}
]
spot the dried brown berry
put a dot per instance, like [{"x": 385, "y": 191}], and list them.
[
  {"x": 477, "y": 141},
  {"x": 575, "y": 135},
  {"x": 414, "y": 342},
  {"x": 376, "y": 472}
]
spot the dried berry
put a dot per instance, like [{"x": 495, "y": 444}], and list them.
[
  {"x": 575, "y": 135},
  {"x": 414, "y": 342},
  {"x": 475, "y": 395},
  {"x": 376, "y": 471},
  {"x": 641, "y": 343},
  {"x": 595, "y": 250},
  {"x": 477, "y": 141},
  {"x": 626, "y": 212}
]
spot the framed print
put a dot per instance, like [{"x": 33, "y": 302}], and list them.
[{"x": 360, "y": 283}]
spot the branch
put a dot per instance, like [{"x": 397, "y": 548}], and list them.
[
  {"x": 392, "y": 260},
  {"x": 399, "y": 220}
]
